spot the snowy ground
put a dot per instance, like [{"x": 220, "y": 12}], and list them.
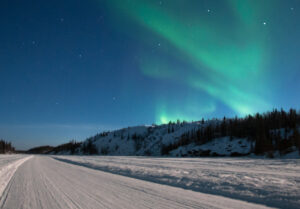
[
  {"x": 79, "y": 182},
  {"x": 42, "y": 182},
  {"x": 8, "y": 166},
  {"x": 272, "y": 182}
]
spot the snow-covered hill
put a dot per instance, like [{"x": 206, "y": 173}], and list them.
[
  {"x": 223, "y": 146},
  {"x": 141, "y": 140},
  {"x": 273, "y": 134},
  {"x": 151, "y": 140}
]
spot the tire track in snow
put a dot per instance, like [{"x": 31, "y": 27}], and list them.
[
  {"x": 8, "y": 171},
  {"x": 43, "y": 182}
]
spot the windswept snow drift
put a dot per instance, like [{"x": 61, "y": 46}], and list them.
[
  {"x": 271, "y": 182},
  {"x": 8, "y": 166}
]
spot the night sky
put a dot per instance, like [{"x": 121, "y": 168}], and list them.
[{"x": 72, "y": 68}]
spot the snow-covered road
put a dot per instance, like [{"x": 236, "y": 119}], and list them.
[
  {"x": 43, "y": 182},
  {"x": 272, "y": 182},
  {"x": 8, "y": 166}
]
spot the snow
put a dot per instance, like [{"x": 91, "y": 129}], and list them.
[
  {"x": 149, "y": 138},
  {"x": 291, "y": 155},
  {"x": 8, "y": 165},
  {"x": 7, "y": 159},
  {"x": 149, "y": 182},
  {"x": 43, "y": 182},
  {"x": 284, "y": 134},
  {"x": 272, "y": 182},
  {"x": 223, "y": 146},
  {"x": 155, "y": 140}
]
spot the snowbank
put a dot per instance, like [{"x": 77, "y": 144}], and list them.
[
  {"x": 273, "y": 182},
  {"x": 8, "y": 166}
]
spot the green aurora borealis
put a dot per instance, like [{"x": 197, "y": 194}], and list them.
[
  {"x": 225, "y": 61},
  {"x": 70, "y": 69}
]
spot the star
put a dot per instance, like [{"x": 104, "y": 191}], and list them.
[
  {"x": 292, "y": 8},
  {"x": 114, "y": 98},
  {"x": 80, "y": 56},
  {"x": 158, "y": 44},
  {"x": 264, "y": 23},
  {"x": 208, "y": 10},
  {"x": 62, "y": 19}
]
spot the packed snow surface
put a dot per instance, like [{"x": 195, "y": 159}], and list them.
[
  {"x": 43, "y": 182},
  {"x": 7, "y": 159},
  {"x": 272, "y": 182},
  {"x": 8, "y": 166}
]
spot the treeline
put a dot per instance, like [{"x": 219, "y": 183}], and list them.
[
  {"x": 70, "y": 148},
  {"x": 275, "y": 131},
  {"x": 40, "y": 150},
  {"x": 6, "y": 147},
  {"x": 271, "y": 131}
]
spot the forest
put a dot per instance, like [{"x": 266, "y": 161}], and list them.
[
  {"x": 271, "y": 131},
  {"x": 6, "y": 147}
]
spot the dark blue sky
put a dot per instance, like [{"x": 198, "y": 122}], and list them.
[{"x": 70, "y": 69}]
